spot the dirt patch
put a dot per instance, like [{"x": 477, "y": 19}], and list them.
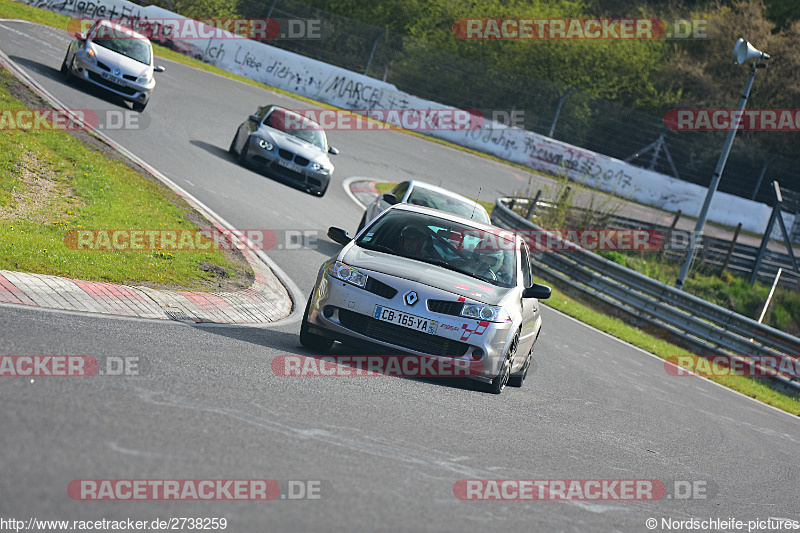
[
  {"x": 41, "y": 185},
  {"x": 39, "y": 192}
]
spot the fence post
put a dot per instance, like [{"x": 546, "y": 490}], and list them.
[
  {"x": 372, "y": 52},
  {"x": 668, "y": 236},
  {"x": 533, "y": 204},
  {"x": 730, "y": 250}
]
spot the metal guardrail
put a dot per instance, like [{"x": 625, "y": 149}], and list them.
[{"x": 707, "y": 328}]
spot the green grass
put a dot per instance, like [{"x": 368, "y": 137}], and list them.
[
  {"x": 727, "y": 290},
  {"x": 666, "y": 350},
  {"x": 51, "y": 183}
]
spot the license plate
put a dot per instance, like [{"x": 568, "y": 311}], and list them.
[
  {"x": 114, "y": 79},
  {"x": 289, "y": 165},
  {"x": 404, "y": 319}
]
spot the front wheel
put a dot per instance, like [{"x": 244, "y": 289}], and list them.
[
  {"x": 501, "y": 380},
  {"x": 310, "y": 341},
  {"x": 67, "y": 69},
  {"x": 515, "y": 380},
  {"x": 139, "y": 107},
  {"x": 232, "y": 147}
]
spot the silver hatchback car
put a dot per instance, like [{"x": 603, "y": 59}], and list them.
[
  {"x": 116, "y": 58},
  {"x": 417, "y": 192},
  {"x": 425, "y": 282}
]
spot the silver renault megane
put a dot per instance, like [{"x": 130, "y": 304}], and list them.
[{"x": 433, "y": 284}]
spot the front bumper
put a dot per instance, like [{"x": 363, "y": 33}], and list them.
[
  {"x": 285, "y": 164},
  {"x": 342, "y": 311},
  {"x": 125, "y": 88}
]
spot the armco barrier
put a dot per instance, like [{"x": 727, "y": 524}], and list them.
[{"x": 703, "y": 326}]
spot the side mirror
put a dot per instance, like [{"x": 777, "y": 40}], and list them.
[
  {"x": 332, "y": 150},
  {"x": 254, "y": 118},
  {"x": 80, "y": 36},
  {"x": 389, "y": 198},
  {"x": 338, "y": 235},
  {"x": 538, "y": 291},
  {"x": 159, "y": 68}
]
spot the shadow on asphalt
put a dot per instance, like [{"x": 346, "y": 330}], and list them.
[
  {"x": 224, "y": 154},
  {"x": 57, "y": 75},
  {"x": 288, "y": 343}
]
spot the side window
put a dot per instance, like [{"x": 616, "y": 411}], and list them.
[
  {"x": 400, "y": 190},
  {"x": 526, "y": 266}
]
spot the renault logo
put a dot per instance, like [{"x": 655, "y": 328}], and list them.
[{"x": 411, "y": 298}]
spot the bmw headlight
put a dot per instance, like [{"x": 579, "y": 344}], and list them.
[
  {"x": 347, "y": 273},
  {"x": 490, "y": 313},
  {"x": 266, "y": 145},
  {"x": 322, "y": 169}
]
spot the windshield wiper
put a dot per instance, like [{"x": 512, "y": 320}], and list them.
[{"x": 377, "y": 248}]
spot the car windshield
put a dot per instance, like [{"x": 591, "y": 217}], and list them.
[
  {"x": 298, "y": 126},
  {"x": 443, "y": 202},
  {"x": 119, "y": 41},
  {"x": 486, "y": 255}
]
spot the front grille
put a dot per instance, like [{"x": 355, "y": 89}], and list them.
[
  {"x": 401, "y": 336},
  {"x": 105, "y": 83},
  {"x": 286, "y": 154},
  {"x": 381, "y": 289},
  {"x": 103, "y": 66},
  {"x": 302, "y": 161},
  {"x": 445, "y": 307},
  {"x": 130, "y": 77}
]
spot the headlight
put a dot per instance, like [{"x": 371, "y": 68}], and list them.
[
  {"x": 490, "y": 313},
  {"x": 266, "y": 145},
  {"x": 88, "y": 56},
  {"x": 144, "y": 78},
  {"x": 321, "y": 168},
  {"x": 348, "y": 274}
]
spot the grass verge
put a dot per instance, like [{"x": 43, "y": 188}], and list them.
[{"x": 51, "y": 182}]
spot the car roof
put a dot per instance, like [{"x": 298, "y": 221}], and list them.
[{"x": 449, "y": 216}]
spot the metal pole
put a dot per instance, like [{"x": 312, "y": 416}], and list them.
[
  {"x": 712, "y": 188},
  {"x": 371, "y": 52},
  {"x": 558, "y": 111},
  {"x": 769, "y": 298},
  {"x": 761, "y": 177},
  {"x": 764, "y": 242}
]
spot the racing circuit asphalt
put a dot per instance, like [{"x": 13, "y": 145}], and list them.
[{"x": 207, "y": 405}]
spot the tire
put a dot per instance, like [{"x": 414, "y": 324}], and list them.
[
  {"x": 242, "y": 156},
  {"x": 501, "y": 380},
  {"x": 362, "y": 223},
  {"x": 68, "y": 77},
  {"x": 310, "y": 341},
  {"x": 232, "y": 148},
  {"x": 516, "y": 379},
  {"x": 139, "y": 107},
  {"x": 64, "y": 63}
]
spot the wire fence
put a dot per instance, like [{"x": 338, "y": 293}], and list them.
[{"x": 583, "y": 120}]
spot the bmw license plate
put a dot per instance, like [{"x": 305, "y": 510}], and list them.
[
  {"x": 114, "y": 79},
  {"x": 289, "y": 165},
  {"x": 404, "y": 319}
]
